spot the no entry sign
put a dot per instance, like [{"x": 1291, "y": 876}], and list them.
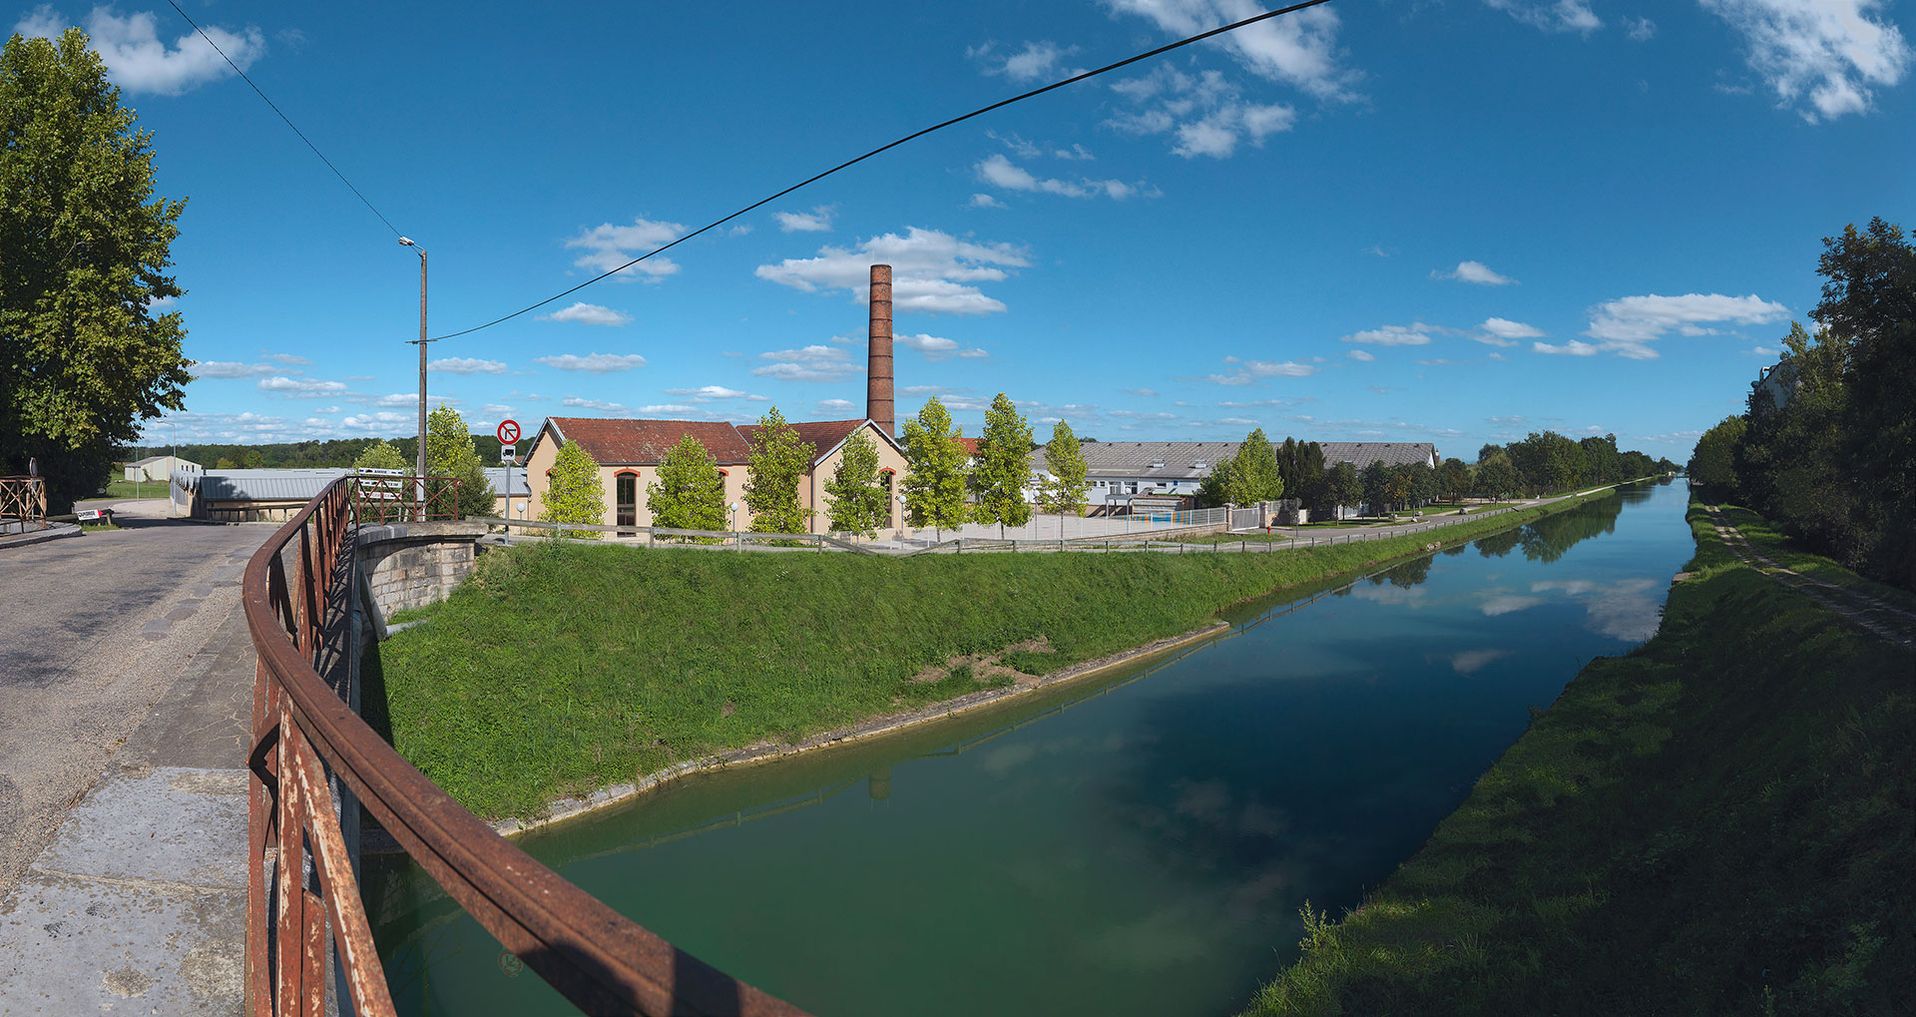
[{"x": 508, "y": 431}]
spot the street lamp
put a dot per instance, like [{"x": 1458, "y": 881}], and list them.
[{"x": 421, "y": 343}]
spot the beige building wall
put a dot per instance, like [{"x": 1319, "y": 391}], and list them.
[
  {"x": 538, "y": 464},
  {"x": 812, "y": 494}
]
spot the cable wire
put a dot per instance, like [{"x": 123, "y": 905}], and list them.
[
  {"x": 888, "y": 146},
  {"x": 282, "y": 115}
]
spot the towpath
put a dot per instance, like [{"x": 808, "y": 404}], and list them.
[
  {"x": 125, "y": 687},
  {"x": 1881, "y": 618}
]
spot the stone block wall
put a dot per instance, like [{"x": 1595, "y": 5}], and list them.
[{"x": 410, "y": 565}]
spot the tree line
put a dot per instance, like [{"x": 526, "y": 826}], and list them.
[{"x": 1826, "y": 446}]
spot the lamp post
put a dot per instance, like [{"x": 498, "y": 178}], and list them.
[{"x": 421, "y": 343}]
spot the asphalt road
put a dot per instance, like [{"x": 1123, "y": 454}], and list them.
[{"x": 124, "y": 647}]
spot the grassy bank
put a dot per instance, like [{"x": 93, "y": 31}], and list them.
[
  {"x": 561, "y": 667},
  {"x": 1719, "y": 822}
]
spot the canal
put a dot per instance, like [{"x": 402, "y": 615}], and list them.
[{"x": 1139, "y": 844}]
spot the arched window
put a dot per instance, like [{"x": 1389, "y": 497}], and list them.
[{"x": 625, "y": 499}]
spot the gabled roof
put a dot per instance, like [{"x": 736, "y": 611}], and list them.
[
  {"x": 822, "y": 435},
  {"x": 627, "y": 442}
]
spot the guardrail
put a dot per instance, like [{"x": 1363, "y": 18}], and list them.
[
  {"x": 307, "y": 743},
  {"x": 23, "y": 504}
]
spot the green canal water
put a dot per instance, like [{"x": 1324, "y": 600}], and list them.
[{"x": 1140, "y": 845}]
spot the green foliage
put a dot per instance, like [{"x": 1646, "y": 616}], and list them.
[
  {"x": 450, "y": 453},
  {"x": 860, "y": 503},
  {"x": 575, "y": 493},
  {"x": 689, "y": 494},
  {"x": 1713, "y": 465},
  {"x": 1215, "y": 489},
  {"x": 778, "y": 464},
  {"x": 1343, "y": 485},
  {"x": 1254, "y": 475},
  {"x": 1453, "y": 480},
  {"x": 1378, "y": 488},
  {"x": 1716, "y": 823},
  {"x": 1003, "y": 468},
  {"x": 381, "y": 455},
  {"x": 84, "y": 249},
  {"x": 1496, "y": 477},
  {"x": 625, "y": 659},
  {"x": 934, "y": 469},
  {"x": 1062, "y": 491}
]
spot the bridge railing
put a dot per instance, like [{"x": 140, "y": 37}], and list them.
[
  {"x": 23, "y": 504},
  {"x": 306, "y": 741}
]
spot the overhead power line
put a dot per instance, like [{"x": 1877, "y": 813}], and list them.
[
  {"x": 886, "y": 147},
  {"x": 282, "y": 115}
]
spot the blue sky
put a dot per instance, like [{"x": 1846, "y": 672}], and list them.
[{"x": 1447, "y": 220}]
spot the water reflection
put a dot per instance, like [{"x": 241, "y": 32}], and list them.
[{"x": 1135, "y": 846}]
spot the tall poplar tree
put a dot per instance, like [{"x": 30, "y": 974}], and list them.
[
  {"x": 859, "y": 502},
  {"x": 1003, "y": 469},
  {"x": 450, "y": 453},
  {"x": 574, "y": 494},
  {"x": 1254, "y": 476},
  {"x": 689, "y": 494},
  {"x": 1063, "y": 490},
  {"x": 934, "y": 469},
  {"x": 778, "y": 463},
  {"x": 85, "y": 353}
]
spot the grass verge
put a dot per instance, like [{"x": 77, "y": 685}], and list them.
[
  {"x": 561, "y": 667},
  {"x": 1719, "y": 822}
]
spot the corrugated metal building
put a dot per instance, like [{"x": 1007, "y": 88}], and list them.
[{"x": 1121, "y": 470}]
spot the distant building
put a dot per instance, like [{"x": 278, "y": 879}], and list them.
[
  {"x": 629, "y": 453},
  {"x": 156, "y": 468},
  {"x": 248, "y": 496},
  {"x": 1774, "y": 386},
  {"x": 1120, "y": 471},
  {"x": 515, "y": 506}
]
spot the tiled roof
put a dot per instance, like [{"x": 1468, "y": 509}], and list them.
[
  {"x": 625, "y": 442},
  {"x": 971, "y": 446},
  {"x": 821, "y": 435}
]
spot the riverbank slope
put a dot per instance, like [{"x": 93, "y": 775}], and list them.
[
  {"x": 560, "y": 668},
  {"x": 1716, "y": 823}
]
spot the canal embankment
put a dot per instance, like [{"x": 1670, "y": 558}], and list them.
[
  {"x": 1718, "y": 822},
  {"x": 561, "y": 670}
]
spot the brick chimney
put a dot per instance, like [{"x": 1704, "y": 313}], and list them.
[{"x": 878, "y": 377}]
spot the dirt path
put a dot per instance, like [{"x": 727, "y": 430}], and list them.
[{"x": 1872, "y": 614}]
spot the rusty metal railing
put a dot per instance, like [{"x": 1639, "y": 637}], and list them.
[
  {"x": 23, "y": 504},
  {"x": 303, "y": 733}
]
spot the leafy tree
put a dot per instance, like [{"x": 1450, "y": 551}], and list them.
[
  {"x": 450, "y": 453},
  {"x": 934, "y": 469},
  {"x": 778, "y": 463},
  {"x": 1343, "y": 486},
  {"x": 1488, "y": 450},
  {"x": 1713, "y": 464},
  {"x": 689, "y": 494},
  {"x": 1003, "y": 468},
  {"x": 1216, "y": 487},
  {"x": 1496, "y": 476},
  {"x": 859, "y": 502},
  {"x": 380, "y": 455},
  {"x": 84, "y": 249},
  {"x": 574, "y": 493},
  {"x": 1255, "y": 477},
  {"x": 1377, "y": 487},
  {"x": 1420, "y": 483},
  {"x": 1547, "y": 462},
  {"x": 1401, "y": 485},
  {"x": 1063, "y": 490},
  {"x": 1453, "y": 480}
]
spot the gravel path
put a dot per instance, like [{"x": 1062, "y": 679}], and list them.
[{"x": 1879, "y": 617}]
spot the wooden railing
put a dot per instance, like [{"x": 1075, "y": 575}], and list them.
[
  {"x": 308, "y": 744},
  {"x": 23, "y": 504}
]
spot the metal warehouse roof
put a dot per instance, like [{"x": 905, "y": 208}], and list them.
[
  {"x": 1364, "y": 453},
  {"x": 1176, "y": 460},
  {"x": 496, "y": 476},
  {"x": 266, "y": 485}
]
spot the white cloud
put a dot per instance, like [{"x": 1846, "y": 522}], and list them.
[
  {"x": 1504, "y": 332},
  {"x": 582, "y": 403},
  {"x": 1205, "y": 113},
  {"x": 1248, "y": 371},
  {"x": 301, "y": 388},
  {"x": 1298, "y": 49},
  {"x": 931, "y": 271},
  {"x": 467, "y": 365},
  {"x": 1035, "y": 61},
  {"x": 496, "y": 410},
  {"x": 228, "y": 369},
  {"x": 985, "y": 201},
  {"x": 834, "y": 405},
  {"x": 1551, "y": 15},
  {"x": 818, "y": 220},
  {"x": 939, "y": 348},
  {"x": 1828, "y": 53},
  {"x": 596, "y": 362},
  {"x": 139, "y": 61},
  {"x": 291, "y": 359},
  {"x": 816, "y": 362},
  {"x": 1415, "y": 334},
  {"x": 1765, "y": 351},
  {"x": 1629, "y": 325},
  {"x": 651, "y": 408},
  {"x": 379, "y": 421},
  {"x": 999, "y": 171},
  {"x": 608, "y": 246},
  {"x": 1364, "y": 356},
  {"x": 1573, "y": 348},
  {"x": 1474, "y": 272},
  {"x": 708, "y": 393},
  {"x": 1473, "y": 661},
  {"x": 582, "y": 313},
  {"x": 1640, "y": 29}
]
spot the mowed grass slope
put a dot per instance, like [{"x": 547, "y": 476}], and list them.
[
  {"x": 1721, "y": 822},
  {"x": 562, "y": 667}
]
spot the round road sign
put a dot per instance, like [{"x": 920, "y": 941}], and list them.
[{"x": 508, "y": 431}]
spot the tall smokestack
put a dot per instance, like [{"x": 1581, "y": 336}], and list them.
[{"x": 878, "y": 405}]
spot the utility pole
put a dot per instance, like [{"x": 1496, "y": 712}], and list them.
[{"x": 421, "y": 342}]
